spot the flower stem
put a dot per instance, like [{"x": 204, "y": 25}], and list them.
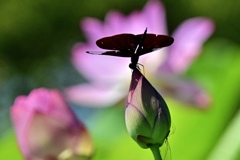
[{"x": 156, "y": 152}]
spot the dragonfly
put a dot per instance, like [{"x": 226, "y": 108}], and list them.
[{"x": 130, "y": 45}]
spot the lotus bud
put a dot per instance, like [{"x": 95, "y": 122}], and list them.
[{"x": 147, "y": 116}]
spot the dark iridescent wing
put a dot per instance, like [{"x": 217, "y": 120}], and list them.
[
  {"x": 124, "y": 45},
  {"x": 152, "y": 42},
  {"x": 112, "y": 53},
  {"x": 121, "y": 42}
]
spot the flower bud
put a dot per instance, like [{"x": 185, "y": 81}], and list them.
[
  {"x": 46, "y": 128},
  {"x": 147, "y": 116}
]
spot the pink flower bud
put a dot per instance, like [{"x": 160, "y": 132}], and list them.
[
  {"x": 147, "y": 116},
  {"x": 46, "y": 128}
]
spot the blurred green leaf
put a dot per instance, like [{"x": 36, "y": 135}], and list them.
[
  {"x": 8, "y": 147},
  {"x": 229, "y": 144}
]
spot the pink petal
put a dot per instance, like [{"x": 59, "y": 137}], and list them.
[
  {"x": 152, "y": 17},
  {"x": 105, "y": 69},
  {"x": 188, "y": 41},
  {"x": 115, "y": 23},
  {"x": 93, "y": 29},
  {"x": 20, "y": 118},
  {"x": 183, "y": 90},
  {"x": 50, "y": 102},
  {"x": 96, "y": 95},
  {"x": 154, "y": 14},
  {"x": 44, "y": 133}
]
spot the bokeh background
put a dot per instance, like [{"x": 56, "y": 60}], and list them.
[{"x": 36, "y": 38}]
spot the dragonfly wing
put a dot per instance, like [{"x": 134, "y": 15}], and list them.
[
  {"x": 111, "y": 53},
  {"x": 153, "y": 42},
  {"x": 122, "y": 42}
]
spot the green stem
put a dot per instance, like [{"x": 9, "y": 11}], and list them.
[{"x": 156, "y": 152}]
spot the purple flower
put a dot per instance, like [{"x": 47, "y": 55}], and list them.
[
  {"x": 47, "y": 129},
  {"x": 147, "y": 116},
  {"x": 108, "y": 76}
]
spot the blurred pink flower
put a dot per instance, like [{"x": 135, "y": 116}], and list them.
[
  {"x": 108, "y": 76},
  {"x": 46, "y": 128}
]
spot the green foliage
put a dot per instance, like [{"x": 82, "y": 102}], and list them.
[{"x": 9, "y": 148}]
